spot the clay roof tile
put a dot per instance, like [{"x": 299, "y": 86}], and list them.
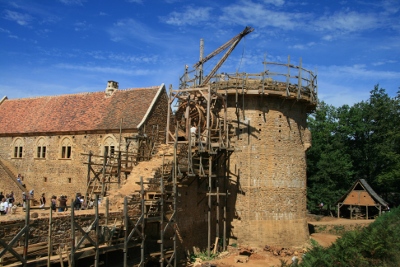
[{"x": 76, "y": 112}]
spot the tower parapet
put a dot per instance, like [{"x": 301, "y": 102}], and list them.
[{"x": 286, "y": 81}]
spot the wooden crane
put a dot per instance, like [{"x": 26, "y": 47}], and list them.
[{"x": 232, "y": 43}]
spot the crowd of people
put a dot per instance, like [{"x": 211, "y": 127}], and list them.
[
  {"x": 7, "y": 203},
  {"x": 60, "y": 204},
  {"x": 79, "y": 203}
]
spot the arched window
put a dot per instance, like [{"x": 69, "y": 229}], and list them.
[
  {"x": 18, "y": 148},
  {"x": 109, "y": 145},
  {"x": 41, "y": 148},
  {"x": 66, "y": 148}
]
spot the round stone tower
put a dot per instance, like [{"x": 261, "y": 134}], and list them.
[{"x": 267, "y": 203}]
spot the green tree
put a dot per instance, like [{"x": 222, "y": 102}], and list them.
[
  {"x": 329, "y": 167},
  {"x": 357, "y": 142},
  {"x": 384, "y": 141}
]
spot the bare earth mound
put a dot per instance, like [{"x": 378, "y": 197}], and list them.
[{"x": 267, "y": 258}]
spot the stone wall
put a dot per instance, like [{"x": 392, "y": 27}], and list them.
[
  {"x": 158, "y": 116},
  {"x": 54, "y": 175},
  {"x": 192, "y": 217},
  {"x": 269, "y": 167}
]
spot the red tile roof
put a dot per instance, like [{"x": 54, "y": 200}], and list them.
[{"x": 76, "y": 112}]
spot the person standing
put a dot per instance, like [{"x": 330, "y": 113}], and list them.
[
  {"x": 9, "y": 203},
  {"x": 321, "y": 207},
  {"x": 11, "y": 199},
  {"x": 42, "y": 200},
  {"x": 193, "y": 131},
  {"x": 19, "y": 178},
  {"x": 62, "y": 204},
  {"x": 24, "y": 199},
  {"x": 3, "y": 206},
  {"x": 83, "y": 203},
  {"x": 77, "y": 202},
  {"x": 53, "y": 203},
  {"x": 66, "y": 203},
  {"x": 31, "y": 193}
]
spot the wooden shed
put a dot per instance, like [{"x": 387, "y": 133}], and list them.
[{"x": 359, "y": 200}]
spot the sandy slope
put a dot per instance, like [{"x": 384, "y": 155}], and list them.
[{"x": 145, "y": 169}]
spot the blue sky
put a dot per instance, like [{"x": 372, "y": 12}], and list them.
[{"x": 53, "y": 47}]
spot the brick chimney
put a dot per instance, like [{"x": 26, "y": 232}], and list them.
[{"x": 111, "y": 87}]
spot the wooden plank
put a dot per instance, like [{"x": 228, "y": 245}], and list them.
[
  {"x": 2, "y": 227},
  {"x": 80, "y": 254},
  {"x": 34, "y": 250},
  {"x": 215, "y": 245},
  {"x": 366, "y": 199},
  {"x": 158, "y": 254}
]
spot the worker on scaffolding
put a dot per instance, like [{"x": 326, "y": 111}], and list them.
[{"x": 193, "y": 131}]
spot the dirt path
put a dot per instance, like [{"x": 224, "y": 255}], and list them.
[
  {"x": 267, "y": 259},
  {"x": 323, "y": 239},
  {"x": 336, "y": 221},
  {"x": 258, "y": 259}
]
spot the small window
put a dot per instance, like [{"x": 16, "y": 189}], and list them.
[
  {"x": 18, "y": 148},
  {"x": 109, "y": 150},
  {"x": 41, "y": 149},
  {"x": 109, "y": 145},
  {"x": 18, "y": 152},
  {"x": 66, "y": 152},
  {"x": 66, "y": 149}
]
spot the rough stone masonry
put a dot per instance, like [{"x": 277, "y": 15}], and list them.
[{"x": 269, "y": 167}]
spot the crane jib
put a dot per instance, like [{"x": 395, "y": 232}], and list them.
[{"x": 232, "y": 41}]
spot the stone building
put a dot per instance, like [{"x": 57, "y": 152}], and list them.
[{"x": 47, "y": 139}]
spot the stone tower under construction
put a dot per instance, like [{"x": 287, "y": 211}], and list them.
[
  {"x": 253, "y": 128},
  {"x": 268, "y": 165}
]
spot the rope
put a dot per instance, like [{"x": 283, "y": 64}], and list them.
[{"x": 241, "y": 59}]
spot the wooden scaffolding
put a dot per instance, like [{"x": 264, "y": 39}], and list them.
[
  {"x": 203, "y": 154},
  {"x": 106, "y": 171},
  {"x": 154, "y": 204}
]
